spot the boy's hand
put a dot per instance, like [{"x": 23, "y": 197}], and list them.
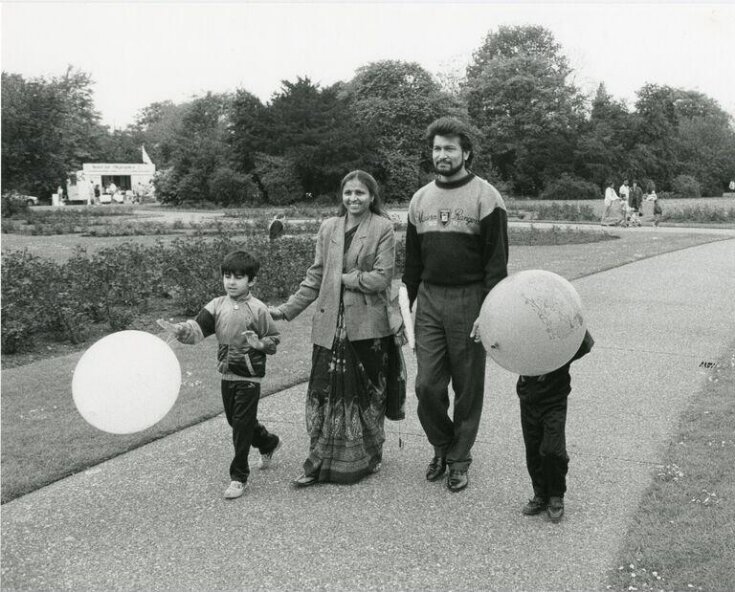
[
  {"x": 176, "y": 329},
  {"x": 253, "y": 340},
  {"x": 475, "y": 333}
]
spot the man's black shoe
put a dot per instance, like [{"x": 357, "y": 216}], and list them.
[
  {"x": 458, "y": 480},
  {"x": 436, "y": 468},
  {"x": 534, "y": 506},
  {"x": 555, "y": 508}
]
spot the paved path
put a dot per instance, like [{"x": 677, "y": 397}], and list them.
[{"x": 154, "y": 519}]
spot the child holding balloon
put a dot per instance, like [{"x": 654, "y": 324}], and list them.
[
  {"x": 543, "y": 402},
  {"x": 246, "y": 334}
]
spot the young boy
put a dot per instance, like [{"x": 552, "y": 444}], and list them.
[
  {"x": 246, "y": 333},
  {"x": 543, "y": 418}
]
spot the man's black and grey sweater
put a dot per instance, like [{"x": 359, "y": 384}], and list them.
[{"x": 457, "y": 234}]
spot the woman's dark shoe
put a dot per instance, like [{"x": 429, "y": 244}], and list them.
[
  {"x": 304, "y": 481},
  {"x": 436, "y": 468},
  {"x": 458, "y": 480}
]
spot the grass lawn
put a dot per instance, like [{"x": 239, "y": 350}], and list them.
[
  {"x": 45, "y": 439},
  {"x": 682, "y": 536}
]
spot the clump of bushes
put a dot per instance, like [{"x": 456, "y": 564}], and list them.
[
  {"x": 570, "y": 187},
  {"x": 567, "y": 212},
  {"x": 60, "y": 301},
  {"x": 703, "y": 214},
  {"x": 45, "y": 299},
  {"x": 686, "y": 186}
]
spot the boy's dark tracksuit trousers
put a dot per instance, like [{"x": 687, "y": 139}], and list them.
[
  {"x": 543, "y": 421},
  {"x": 240, "y": 399}
]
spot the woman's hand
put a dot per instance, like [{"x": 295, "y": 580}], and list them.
[{"x": 276, "y": 313}]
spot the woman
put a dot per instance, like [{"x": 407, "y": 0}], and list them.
[
  {"x": 355, "y": 356},
  {"x": 611, "y": 200}
]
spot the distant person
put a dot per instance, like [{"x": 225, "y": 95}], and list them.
[
  {"x": 356, "y": 358},
  {"x": 624, "y": 191},
  {"x": 543, "y": 401},
  {"x": 657, "y": 209},
  {"x": 635, "y": 203},
  {"x": 611, "y": 200},
  {"x": 636, "y": 197},
  {"x": 732, "y": 186},
  {"x": 246, "y": 333},
  {"x": 456, "y": 252}
]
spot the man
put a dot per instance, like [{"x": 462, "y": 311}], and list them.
[
  {"x": 636, "y": 202},
  {"x": 456, "y": 251}
]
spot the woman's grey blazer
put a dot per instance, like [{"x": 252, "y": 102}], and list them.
[{"x": 366, "y": 271}]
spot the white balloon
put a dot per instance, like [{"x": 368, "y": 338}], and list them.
[
  {"x": 126, "y": 382},
  {"x": 532, "y": 322}
]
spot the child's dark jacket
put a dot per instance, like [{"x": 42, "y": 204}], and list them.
[{"x": 555, "y": 384}]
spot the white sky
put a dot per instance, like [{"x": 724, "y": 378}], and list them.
[{"x": 141, "y": 52}]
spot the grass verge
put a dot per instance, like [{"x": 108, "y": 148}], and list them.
[{"x": 682, "y": 536}]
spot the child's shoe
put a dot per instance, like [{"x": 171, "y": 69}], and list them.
[
  {"x": 555, "y": 509},
  {"x": 266, "y": 459},
  {"x": 234, "y": 490},
  {"x": 534, "y": 506}
]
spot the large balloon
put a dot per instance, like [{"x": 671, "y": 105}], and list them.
[
  {"x": 532, "y": 323},
  {"x": 126, "y": 382}
]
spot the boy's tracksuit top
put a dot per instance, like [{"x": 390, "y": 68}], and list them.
[{"x": 228, "y": 318}]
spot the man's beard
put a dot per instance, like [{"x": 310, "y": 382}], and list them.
[{"x": 453, "y": 170}]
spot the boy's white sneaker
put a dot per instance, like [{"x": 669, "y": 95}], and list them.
[
  {"x": 267, "y": 459},
  {"x": 234, "y": 489}
]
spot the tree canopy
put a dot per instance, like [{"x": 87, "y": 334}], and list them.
[{"x": 535, "y": 130}]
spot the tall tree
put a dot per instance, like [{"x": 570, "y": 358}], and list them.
[
  {"x": 248, "y": 131},
  {"x": 394, "y": 102},
  {"x": 519, "y": 95},
  {"x": 317, "y": 131},
  {"x": 157, "y": 127},
  {"x": 656, "y": 131},
  {"x": 706, "y": 141},
  {"x": 200, "y": 150},
  {"x": 604, "y": 141},
  {"x": 49, "y": 128}
]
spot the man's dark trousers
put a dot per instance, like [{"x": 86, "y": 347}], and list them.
[
  {"x": 240, "y": 399},
  {"x": 444, "y": 352}
]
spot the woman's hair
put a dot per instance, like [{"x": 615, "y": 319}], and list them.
[
  {"x": 451, "y": 126},
  {"x": 376, "y": 204},
  {"x": 241, "y": 263}
]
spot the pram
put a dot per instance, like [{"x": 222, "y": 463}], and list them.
[{"x": 632, "y": 216}]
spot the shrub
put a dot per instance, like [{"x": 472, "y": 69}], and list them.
[
  {"x": 570, "y": 187},
  {"x": 702, "y": 214},
  {"x": 164, "y": 185},
  {"x": 232, "y": 188},
  {"x": 686, "y": 186},
  {"x": 13, "y": 205},
  {"x": 569, "y": 212},
  {"x": 277, "y": 178}
]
